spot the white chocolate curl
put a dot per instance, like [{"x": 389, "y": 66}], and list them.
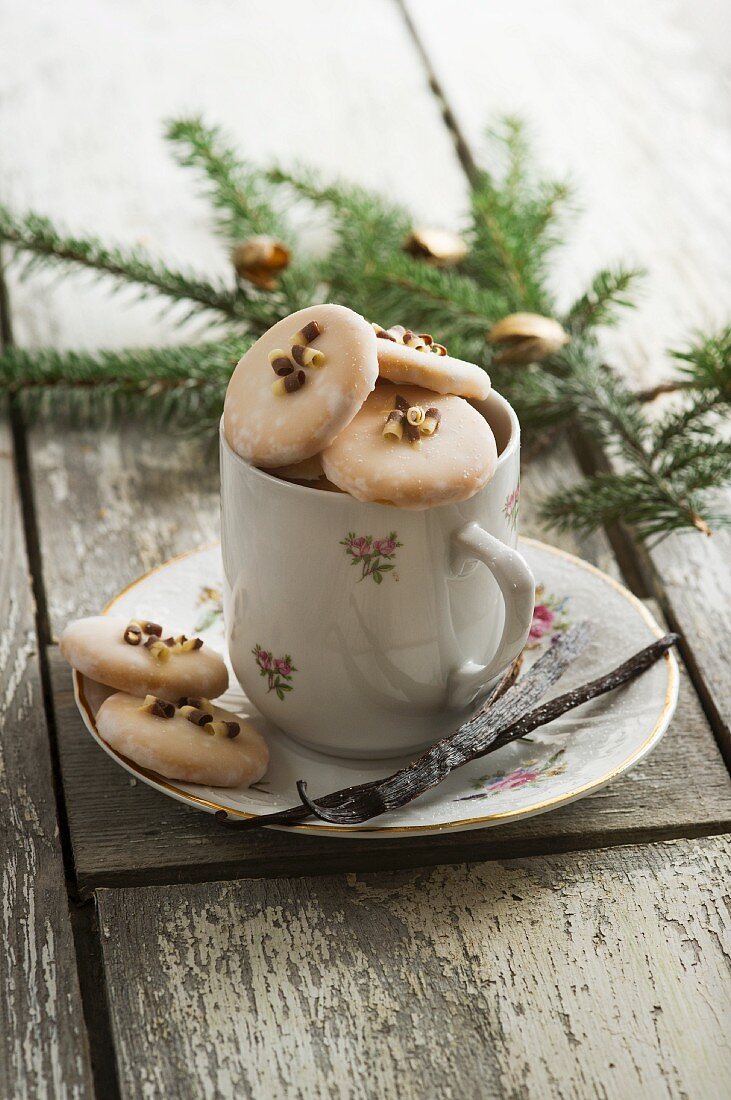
[
  {"x": 289, "y": 383},
  {"x": 160, "y": 651},
  {"x": 216, "y": 729},
  {"x": 416, "y": 415},
  {"x": 307, "y": 334},
  {"x": 430, "y": 422},
  {"x": 307, "y": 357},
  {"x": 394, "y": 426}
]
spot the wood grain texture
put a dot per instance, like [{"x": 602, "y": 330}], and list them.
[
  {"x": 124, "y": 832},
  {"x": 113, "y": 506},
  {"x": 692, "y": 579},
  {"x": 42, "y": 1038},
  {"x": 558, "y": 976}
]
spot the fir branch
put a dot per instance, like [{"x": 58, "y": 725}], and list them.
[
  {"x": 237, "y": 191},
  {"x": 691, "y": 420},
  {"x": 698, "y": 466},
  {"x": 181, "y": 384},
  {"x": 648, "y": 505},
  {"x": 707, "y": 363},
  {"x": 241, "y": 196},
  {"x": 602, "y": 404},
  {"x": 600, "y": 305},
  {"x": 372, "y": 217},
  {"x": 400, "y": 289},
  {"x": 368, "y": 231},
  {"x": 45, "y": 244},
  {"x": 515, "y": 223}
]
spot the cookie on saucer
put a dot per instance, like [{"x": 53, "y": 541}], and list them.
[
  {"x": 193, "y": 741},
  {"x": 143, "y": 658},
  {"x": 412, "y": 448},
  {"x": 299, "y": 385}
]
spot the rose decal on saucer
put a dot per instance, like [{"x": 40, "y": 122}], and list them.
[
  {"x": 532, "y": 771},
  {"x": 277, "y": 670},
  {"x": 374, "y": 556},
  {"x": 549, "y": 617}
]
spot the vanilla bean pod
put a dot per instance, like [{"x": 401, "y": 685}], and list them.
[
  {"x": 350, "y": 813},
  {"x": 555, "y": 708},
  {"x": 440, "y": 759}
]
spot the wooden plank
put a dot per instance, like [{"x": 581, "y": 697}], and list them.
[
  {"x": 43, "y": 1049},
  {"x": 124, "y": 832},
  {"x": 692, "y": 580},
  {"x": 578, "y": 74},
  {"x": 119, "y": 504},
  {"x": 542, "y": 977}
]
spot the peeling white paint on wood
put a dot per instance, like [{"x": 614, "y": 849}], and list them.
[
  {"x": 602, "y": 974},
  {"x": 42, "y": 1037}
]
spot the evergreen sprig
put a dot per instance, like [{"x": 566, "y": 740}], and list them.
[
  {"x": 43, "y": 244},
  {"x": 185, "y": 383},
  {"x": 663, "y": 471}
]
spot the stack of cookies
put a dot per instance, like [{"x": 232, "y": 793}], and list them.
[
  {"x": 327, "y": 399},
  {"x": 160, "y": 715}
]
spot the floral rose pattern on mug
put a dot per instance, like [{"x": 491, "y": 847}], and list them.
[
  {"x": 374, "y": 556},
  {"x": 511, "y": 507},
  {"x": 549, "y": 617},
  {"x": 278, "y": 670},
  {"x": 533, "y": 771}
]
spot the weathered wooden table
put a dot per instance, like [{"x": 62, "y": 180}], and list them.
[{"x": 150, "y": 953}]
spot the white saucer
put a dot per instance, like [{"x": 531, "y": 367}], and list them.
[{"x": 575, "y": 755}]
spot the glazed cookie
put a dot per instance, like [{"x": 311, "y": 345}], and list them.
[
  {"x": 410, "y": 359},
  {"x": 299, "y": 385},
  {"x": 140, "y": 657},
  {"x": 193, "y": 741},
  {"x": 412, "y": 448},
  {"x": 308, "y": 470}
]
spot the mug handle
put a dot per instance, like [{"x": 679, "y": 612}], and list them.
[{"x": 517, "y": 586}]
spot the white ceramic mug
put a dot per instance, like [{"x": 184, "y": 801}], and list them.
[{"x": 364, "y": 630}]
